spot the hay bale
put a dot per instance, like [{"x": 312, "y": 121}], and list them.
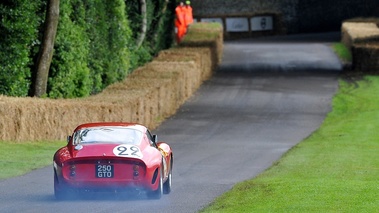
[
  {"x": 366, "y": 57},
  {"x": 201, "y": 55},
  {"x": 359, "y": 32},
  {"x": 147, "y": 96}
]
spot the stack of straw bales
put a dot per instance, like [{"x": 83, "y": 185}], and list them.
[
  {"x": 147, "y": 96},
  {"x": 362, "y": 38}
]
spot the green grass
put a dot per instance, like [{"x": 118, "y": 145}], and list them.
[
  {"x": 343, "y": 52},
  {"x": 22, "y": 157},
  {"x": 336, "y": 169}
]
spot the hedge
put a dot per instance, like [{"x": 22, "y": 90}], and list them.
[
  {"x": 148, "y": 95},
  {"x": 95, "y": 44}
]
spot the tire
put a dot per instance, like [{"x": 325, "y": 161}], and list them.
[
  {"x": 168, "y": 183},
  {"x": 157, "y": 194},
  {"x": 59, "y": 192},
  {"x": 62, "y": 191}
]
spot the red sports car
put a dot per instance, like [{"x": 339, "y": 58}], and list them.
[{"x": 113, "y": 156}]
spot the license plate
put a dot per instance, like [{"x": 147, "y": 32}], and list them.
[{"x": 104, "y": 171}]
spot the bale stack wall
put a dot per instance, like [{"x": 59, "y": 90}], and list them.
[
  {"x": 147, "y": 96},
  {"x": 362, "y": 38}
]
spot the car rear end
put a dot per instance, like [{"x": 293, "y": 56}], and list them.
[{"x": 102, "y": 174}]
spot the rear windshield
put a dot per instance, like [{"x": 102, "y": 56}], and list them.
[{"x": 108, "y": 135}]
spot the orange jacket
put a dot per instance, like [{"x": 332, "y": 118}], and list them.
[
  {"x": 188, "y": 15},
  {"x": 180, "y": 23},
  {"x": 180, "y": 16}
]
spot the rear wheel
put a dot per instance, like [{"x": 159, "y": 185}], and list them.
[
  {"x": 157, "y": 194},
  {"x": 59, "y": 192},
  {"x": 167, "y": 184}
]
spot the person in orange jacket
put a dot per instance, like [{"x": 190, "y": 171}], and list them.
[
  {"x": 188, "y": 13},
  {"x": 180, "y": 22}
]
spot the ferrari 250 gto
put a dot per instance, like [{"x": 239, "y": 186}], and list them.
[{"x": 113, "y": 156}]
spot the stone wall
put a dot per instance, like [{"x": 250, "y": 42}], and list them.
[
  {"x": 324, "y": 15},
  {"x": 297, "y": 16}
]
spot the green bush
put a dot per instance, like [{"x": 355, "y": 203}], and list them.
[
  {"x": 91, "y": 48},
  {"x": 163, "y": 31},
  {"x": 69, "y": 74},
  {"x": 94, "y": 45},
  {"x": 159, "y": 29},
  {"x": 142, "y": 54},
  {"x": 117, "y": 63},
  {"x": 19, "y": 23},
  {"x": 96, "y": 16}
]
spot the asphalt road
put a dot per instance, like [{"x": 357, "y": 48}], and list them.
[{"x": 267, "y": 96}]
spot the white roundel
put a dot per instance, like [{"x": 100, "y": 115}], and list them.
[{"x": 128, "y": 151}]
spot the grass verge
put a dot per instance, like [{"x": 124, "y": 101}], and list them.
[
  {"x": 20, "y": 158},
  {"x": 336, "y": 169},
  {"x": 343, "y": 52}
]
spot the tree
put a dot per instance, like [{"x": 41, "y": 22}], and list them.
[
  {"x": 143, "y": 24},
  {"x": 161, "y": 19},
  {"x": 47, "y": 48}
]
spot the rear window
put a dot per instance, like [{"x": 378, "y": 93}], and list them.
[{"x": 108, "y": 135}]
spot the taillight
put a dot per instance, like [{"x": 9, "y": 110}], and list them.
[
  {"x": 135, "y": 171},
  {"x": 72, "y": 170}
]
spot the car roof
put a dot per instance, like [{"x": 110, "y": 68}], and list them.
[{"x": 112, "y": 124}]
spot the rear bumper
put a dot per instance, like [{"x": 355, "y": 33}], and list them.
[{"x": 145, "y": 181}]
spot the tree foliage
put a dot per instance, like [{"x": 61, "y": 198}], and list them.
[
  {"x": 19, "y": 24},
  {"x": 69, "y": 74},
  {"x": 96, "y": 44},
  {"x": 158, "y": 32}
]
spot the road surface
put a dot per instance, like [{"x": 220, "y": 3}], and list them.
[{"x": 267, "y": 96}]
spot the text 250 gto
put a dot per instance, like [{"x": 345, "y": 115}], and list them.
[{"x": 113, "y": 156}]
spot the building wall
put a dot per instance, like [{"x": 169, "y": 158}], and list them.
[
  {"x": 296, "y": 16},
  {"x": 329, "y": 15}
]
